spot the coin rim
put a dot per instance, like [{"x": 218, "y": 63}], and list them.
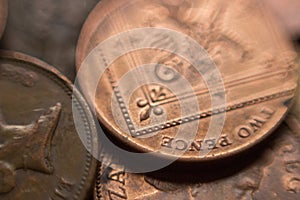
[
  {"x": 88, "y": 30},
  {"x": 86, "y": 182}
]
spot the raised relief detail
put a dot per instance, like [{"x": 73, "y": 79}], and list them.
[
  {"x": 213, "y": 35},
  {"x": 162, "y": 185},
  {"x": 197, "y": 145},
  {"x": 246, "y": 187},
  {"x": 292, "y": 177},
  {"x": 26, "y": 147},
  {"x": 222, "y": 43},
  {"x": 245, "y": 131},
  {"x": 19, "y": 75},
  {"x": 115, "y": 177},
  {"x": 156, "y": 94},
  {"x": 63, "y": 190},
  {"x": 254, "y": 123}
]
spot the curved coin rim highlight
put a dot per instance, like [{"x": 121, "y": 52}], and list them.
[
  {"x": 88, "y": 30},
  {"x": 88, "y": 180}
]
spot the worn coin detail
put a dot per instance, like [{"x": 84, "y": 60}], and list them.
[
  {"x": 3, "y": 15},
  {"x": 41, "y": 154},
  {"x": 256, "y": 66},
  {"x": 273, "y": 174}
]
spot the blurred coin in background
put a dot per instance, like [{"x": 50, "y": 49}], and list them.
[
  {"x": 3, "y": 16},
  {"x": 47, "y": 30}
]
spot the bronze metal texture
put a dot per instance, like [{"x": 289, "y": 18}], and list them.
[
  {"x": 271, "y": 172},
  {"x": 41, "y": 154},
  {"x": 3, "y": 16},
  {"x": 255, "y": 60}
]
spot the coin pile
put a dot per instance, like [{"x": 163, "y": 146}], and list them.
[{"x": 162, "y": 99}]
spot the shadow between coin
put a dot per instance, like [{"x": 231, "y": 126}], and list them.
[{"x": 204, "y": 172}]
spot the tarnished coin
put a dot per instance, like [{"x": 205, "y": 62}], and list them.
[
  {"x": 3, "y": 15},
  {"x": 273, "y": 173},
  {"x": 41, "y": 154},
  {"x": 204, "y": 79}
]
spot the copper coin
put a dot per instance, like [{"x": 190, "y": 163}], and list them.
[
  {"x": 41, "y": 154},
  {"x": 3, "y": 15},
  {"x": 253, "y": 57},
  {"x": 273, "y": 174}
]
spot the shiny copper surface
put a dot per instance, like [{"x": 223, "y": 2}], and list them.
[
  {"x": 270, "y": 172},
  {"x": 254, "y": 58}
]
